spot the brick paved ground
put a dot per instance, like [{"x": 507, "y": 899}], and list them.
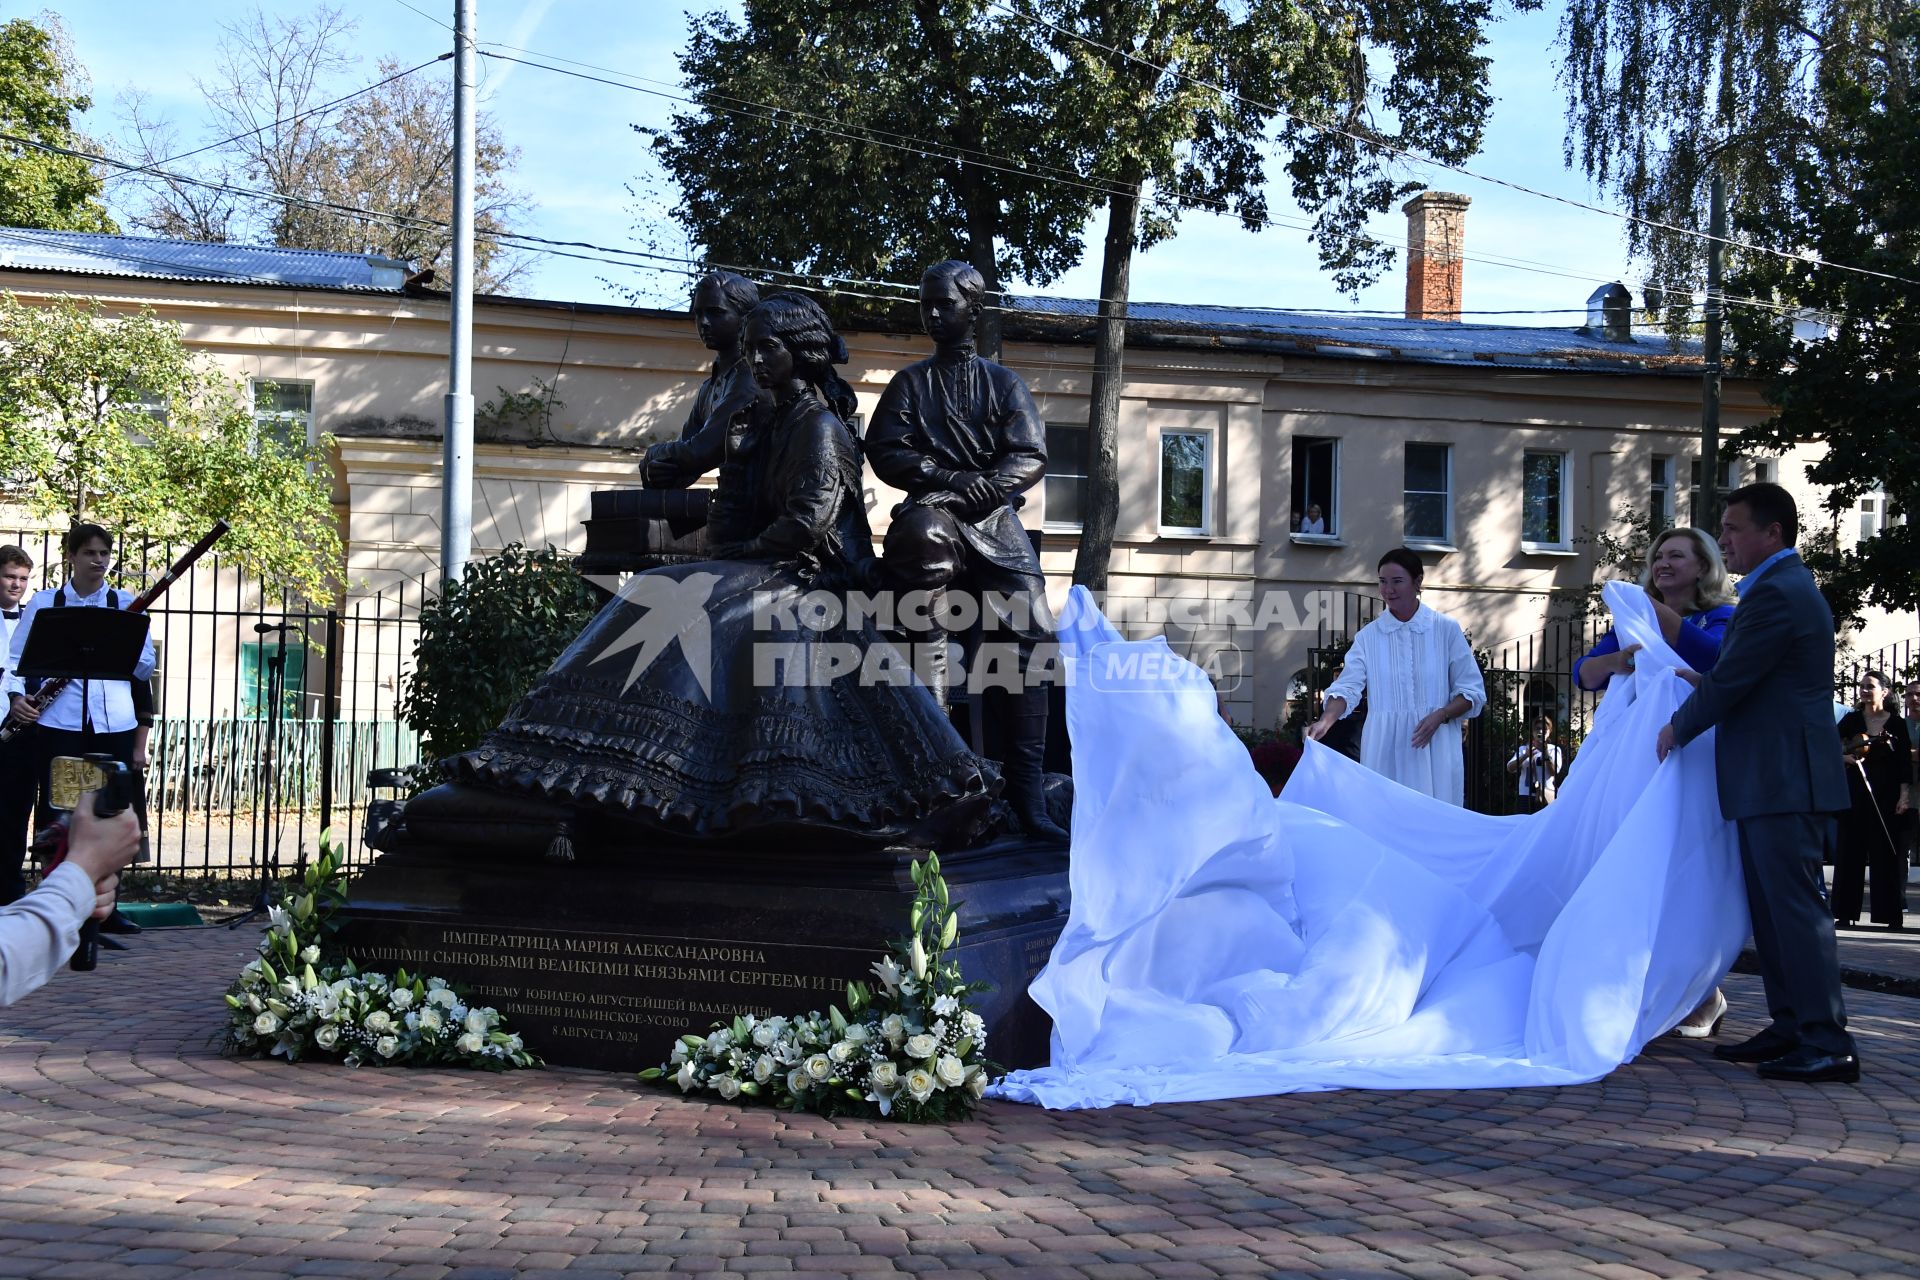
[{"x": 128, "y": 1147}]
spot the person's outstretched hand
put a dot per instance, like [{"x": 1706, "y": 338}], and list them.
[{"x": 102, "y": 847}]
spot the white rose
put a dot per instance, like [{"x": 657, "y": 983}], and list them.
[
  {"x": 387, "y": 1046},
  {"x": 819, "y": 1066},
  {"x": 378, "y": 1022},
  {"x": 310, "y": 954},
  {"x": 402, "y": 998},
  {"x": 326, "y": 1035},
  {"x": 893, "y": 1026},
  {"x": 949, "y": 1070},
  {"x": 763, "y": 1068},
  {"x": 977, "y": 1083},
  {"x": 684, "y": 1077},
  {"x": 765, "y": 1034},
  {"x": 442, "y": 996},
  {"x": 798, "y": 1082},
  {"x": 885, "y": 1077},
  {"x": 922, "y": 1046},
  {"x": 477, "y": 1021},
  {"x": 920, "y": 1084},
  {"x": 841, "y": 1051},
  {"x": 858, "y": 1033},
  {"x": 973, "y": 1027},
  {"x": 266, "y": 1024},
  {"x": 729, "y": 1087},
  {"x": 470, "y": 1042},
  {"x": 430, "y": 1019}
]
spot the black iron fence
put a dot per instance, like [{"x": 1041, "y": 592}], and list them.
[{"x": 270, "y": 712}]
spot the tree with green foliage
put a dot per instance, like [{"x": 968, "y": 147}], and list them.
[
  {"x": 1173, "y": 102},
  {"x": 870, "y": 140},
  {"x": 41, "y": 90},
  {"x": 865, "y": 142},
  {"x": 1807, "y": 110},
  {"x": 484, "y": 640},
  {"x": 112, "y": 419}
]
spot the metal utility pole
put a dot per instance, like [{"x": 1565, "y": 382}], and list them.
[
  {"x": 1706, "y": 513},
  {"x": 456, "y": 473}
]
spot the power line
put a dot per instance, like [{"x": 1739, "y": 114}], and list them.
[
  {"x": 585, "y": 250},
  {"x": 900, "y": 142},
  {"x": 298, "y": 115},
  {"x": 1462, "y": 170}
]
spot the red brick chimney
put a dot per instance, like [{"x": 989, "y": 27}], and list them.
[{"x": 1436, "y": 237}]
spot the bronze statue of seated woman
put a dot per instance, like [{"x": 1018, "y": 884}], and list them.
[{"x": 741, "y": 696}]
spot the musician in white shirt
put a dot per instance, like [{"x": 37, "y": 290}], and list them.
[
  {"x": 88, "y": 715},
  {"x": 17, "y": 776}
]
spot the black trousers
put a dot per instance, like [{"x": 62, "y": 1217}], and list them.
[
  {"x": 1870, "y": 847},
  {"x": 1781, "y": 856},
  {"x": 19, "y": 788},
  {"x": 48, "y": 743}
]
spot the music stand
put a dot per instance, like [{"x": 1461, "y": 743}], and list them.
[{"x": 84, "y": 644}]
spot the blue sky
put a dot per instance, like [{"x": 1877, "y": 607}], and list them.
[{"x": 578, "y": 153}]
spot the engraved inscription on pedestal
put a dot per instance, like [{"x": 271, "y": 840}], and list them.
[{"x": 618, "y": 1002}]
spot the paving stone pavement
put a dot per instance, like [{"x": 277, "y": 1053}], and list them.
[{"x": 130, "y": 1148}]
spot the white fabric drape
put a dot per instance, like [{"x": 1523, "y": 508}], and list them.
[{"x": 1356, "y": 933}]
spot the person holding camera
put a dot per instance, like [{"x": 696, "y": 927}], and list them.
[
  {"x": 1538, "y": 764},
  {"x": 40, "y": 931}
]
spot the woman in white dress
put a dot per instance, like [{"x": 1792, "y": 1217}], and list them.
[{"x": 1421, "y": 681}]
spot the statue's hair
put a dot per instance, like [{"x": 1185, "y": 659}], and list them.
[
  {"x": 742, "y": 294},
  {"x": 964, "y": 275},
  {"x": 804, "y": 329},
  {"x": 1714, "y": 588}
]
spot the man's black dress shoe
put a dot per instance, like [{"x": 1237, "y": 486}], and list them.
[
  {"x": 1765, "y": 1047},
  {"x": 1809, "y": 1065},
  {"x": 111, "y": 944},
  {"x": 117, "y": 923}
]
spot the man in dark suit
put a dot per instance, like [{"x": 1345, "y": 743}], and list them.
[{"x": 1771, "y": 697}]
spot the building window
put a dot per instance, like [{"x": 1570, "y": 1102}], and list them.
[
  {"x": 1316, "y": 487},
  {"x": 283, "y": 411},
  {"x": 256, "y": 678},
  {"x": 1186, "y": 481},
  {"x": 1543, "y": 502},
  {"x": 1873, "y": 514},
  {"x": 1726, "y": 486},
  {"x": 1066, "y": 482},
  {"x": 1660, "y": 497},
  {"x": 1429, "y": 493},
  {"x": 1764, "y": 471}
]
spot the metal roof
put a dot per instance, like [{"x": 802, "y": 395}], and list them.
[
  {"x": 1382, "y": 337},
  {"x": 88, "y": 253}
]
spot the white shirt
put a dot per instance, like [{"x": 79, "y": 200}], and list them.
[
  {"x": 1408, "y": 670},
  {"x": 1546, "y": 769},
  {"x": 110, "y": 702},
  {"x": 7, "y": 627},
  {"x": 1309, "y": 525}
]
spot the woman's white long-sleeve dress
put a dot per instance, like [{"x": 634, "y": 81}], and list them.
[{"x": 1408, "y": 669}]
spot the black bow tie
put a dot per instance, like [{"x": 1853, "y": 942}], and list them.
[{"x": 12, "y": 615}]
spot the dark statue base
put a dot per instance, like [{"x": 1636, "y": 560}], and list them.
[{"x": 603, "y": 962}]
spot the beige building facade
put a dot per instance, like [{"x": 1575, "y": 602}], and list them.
[{"x": 1490, "y": 450}]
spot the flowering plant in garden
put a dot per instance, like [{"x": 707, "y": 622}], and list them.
[
  {"x": 296, "y": 1001},
  {"x": 908, "y": 1046}
]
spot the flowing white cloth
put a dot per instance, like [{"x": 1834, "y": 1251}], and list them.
[
  {"x": 1356, "y": 933},
  {"x": 1408, "y": 670}
]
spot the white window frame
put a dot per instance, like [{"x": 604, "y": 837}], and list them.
[
  {"x": 1662, "y": 479},
  {"x": 1049, "y": 523},
  {"x": 1565, "y": 541},
  {"x": 1332, "y": 536},
  {"x": 1872, "y": 510},
  {"x": 1205, "y": 528},
  {"x": 261, "y": 417},
  {"x": 1766, "y": 471},
  {"x": 1445, "y": 541},
  {"x": 1729, "y": 480}
]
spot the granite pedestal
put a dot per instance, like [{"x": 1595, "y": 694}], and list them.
[{"x": 605, "y": 960}]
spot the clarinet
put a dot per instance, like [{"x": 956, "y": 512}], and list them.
[{"x": 43, "y": 699}]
